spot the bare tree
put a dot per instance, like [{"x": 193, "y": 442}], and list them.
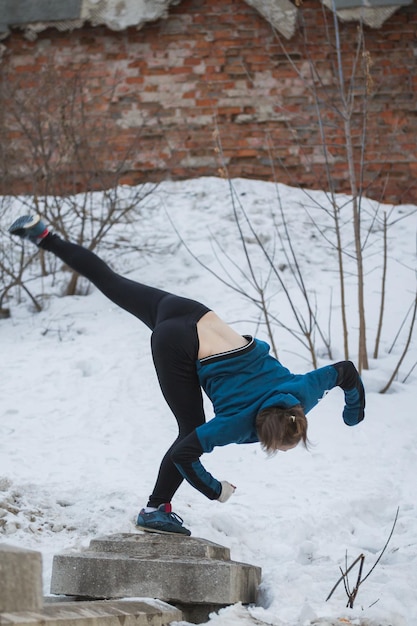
[
  {"x": 66, "y": 139},
  {"x": 350, "y": 227}
]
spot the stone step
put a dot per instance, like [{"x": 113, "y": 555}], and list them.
[
  {"x": 151, "y": 545},
  {"x": 178, "y": 570},
  {"x": 20, "y": 579},
  {"x": 104, "y": 613}
]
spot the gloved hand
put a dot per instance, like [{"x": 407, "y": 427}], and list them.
[
  {"x": 354, "y": 410},
  {"x": 349, "y": 380},
  {"x": 227, "y": 490}
]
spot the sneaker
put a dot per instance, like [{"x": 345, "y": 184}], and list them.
[
  {"x": 29, "y": 227},
  {"x": 163, "y": 520}
]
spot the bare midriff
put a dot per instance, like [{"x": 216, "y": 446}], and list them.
[{"x": 216, "y": 337}]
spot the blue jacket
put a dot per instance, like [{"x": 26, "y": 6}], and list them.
[{"x": 243, "y": 382}]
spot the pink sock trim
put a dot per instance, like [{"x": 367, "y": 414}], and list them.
[{"x": 43, "y": 235}]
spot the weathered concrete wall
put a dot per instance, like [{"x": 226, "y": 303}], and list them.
[
  {"x": 161, "y": 100},
  {"x": 33, "y": 17}
]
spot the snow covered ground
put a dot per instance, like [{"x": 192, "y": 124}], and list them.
[{"x": 83, "y": 424}]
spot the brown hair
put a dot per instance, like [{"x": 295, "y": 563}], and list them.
[{"x": 278, "y": 426}]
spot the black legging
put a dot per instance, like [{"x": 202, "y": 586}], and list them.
[{"x": 174, "y": 342}]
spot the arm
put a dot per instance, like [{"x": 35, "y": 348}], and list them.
[
  {"x": 219, "y": 431},
  {"x": 349, "y": 380},
  {"x": 186, "y": 457}
]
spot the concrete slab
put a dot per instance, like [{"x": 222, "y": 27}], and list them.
[
  {"x": 178, "y": 570},
  {"x": 147, "y": 545},
  {"x": 20, "y": 579},
  {"x": 105, "y": 613},
  {"x": 105, "y": 575}
]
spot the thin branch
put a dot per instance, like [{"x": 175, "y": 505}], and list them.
[
  {"x": 359, "y": 580},
  {"x": 405, "y": 349},
  {"x": 344, "y": 574},
  {"x": 384, "y": 548}
]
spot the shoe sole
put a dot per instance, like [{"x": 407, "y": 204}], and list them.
[
  {"x": 159, "y": 532},
  {"x": 23, "y": 224},
  {"x": 35, "y": 220}
]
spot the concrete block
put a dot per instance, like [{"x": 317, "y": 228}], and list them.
[
  {"x": 105, "y": 613},
  {"x": 148, "y": 546},
  {"x": 104, "y": 575},
  {"x": 179, "y": 570},
  {"x": 20, "y": 579}
]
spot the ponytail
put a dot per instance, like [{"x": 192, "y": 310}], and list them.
[{"x": 279, "y": 427}]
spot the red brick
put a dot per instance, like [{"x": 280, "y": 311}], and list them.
[{"x": 228, "y": 64}]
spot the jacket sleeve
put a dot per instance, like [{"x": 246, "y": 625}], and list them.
[
  {"x": 186, "y": 458},
  {"x": 349, "y": 380}
]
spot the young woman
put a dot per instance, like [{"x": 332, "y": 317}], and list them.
[{"x": 255, "y": 398}]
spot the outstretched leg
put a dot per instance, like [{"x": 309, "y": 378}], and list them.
[{"x": 149, "y": 304}]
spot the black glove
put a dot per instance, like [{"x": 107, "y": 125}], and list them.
[{"x": 351, "y": 383}]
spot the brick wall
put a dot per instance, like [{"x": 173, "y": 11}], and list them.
[{"x": 209, "y": 86}]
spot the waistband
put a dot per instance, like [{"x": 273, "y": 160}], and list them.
[{"x": 230, "y": 354}]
